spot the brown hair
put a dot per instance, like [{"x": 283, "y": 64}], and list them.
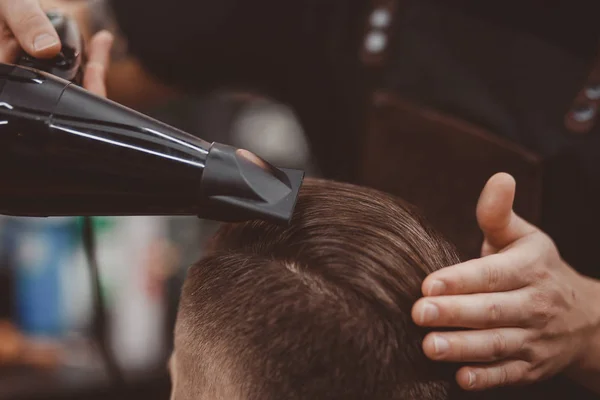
[{"x": 316, "y": 310}]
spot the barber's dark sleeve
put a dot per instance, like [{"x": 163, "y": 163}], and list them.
[{"x": 203, "y": 44}]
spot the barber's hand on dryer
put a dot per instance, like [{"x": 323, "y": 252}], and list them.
[
  {"x": 24, "y": 24},
  {"x": 530, "y": 314}
]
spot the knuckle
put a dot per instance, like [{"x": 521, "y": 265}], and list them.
[
  {"x": 540, "y": 272},
  {"x": 96, "y": 68},
  {"x": 543, "y": 307},
  {"x": 518, "y": 373},
  {"x": 539, "y": 299},
  {"x": 499, "y": 345},
  {"x": 462, "y": 352},
  {"x": 493, "y": 276},
  {"x": 494, "y": 312},
  {"x": 503, "y": 377},
  {"x": 542, "y": 315},
  {"x": 542, "y": 295},
  {"x": 31, "y": 19}
]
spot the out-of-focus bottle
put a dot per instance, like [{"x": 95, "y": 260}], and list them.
[
  {"x": 126, "y": 251},
  {"x": 139, "y": 303},
  {"x": 39, "y": 250}
]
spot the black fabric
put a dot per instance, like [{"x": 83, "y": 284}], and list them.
[
  {"x": 173, "y": 36},
  {"x": 570, "y": 25},
  {"x": 205, "y": 44}
]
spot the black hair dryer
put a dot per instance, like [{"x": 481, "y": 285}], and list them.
[{"x": 65, "y": 151}]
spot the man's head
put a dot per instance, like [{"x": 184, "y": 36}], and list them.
[{"x": 317, "y": 310}]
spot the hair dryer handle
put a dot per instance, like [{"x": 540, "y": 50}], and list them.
[{"x": 68, "y": 64}]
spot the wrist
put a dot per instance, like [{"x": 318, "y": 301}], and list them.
[{"x": 586, "y": 368}]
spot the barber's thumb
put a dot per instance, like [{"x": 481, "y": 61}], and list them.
[
  {"x": 31, "y": 27},
  {"x": 497, "y": 220}
]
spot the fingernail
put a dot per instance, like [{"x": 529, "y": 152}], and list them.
[
  {"x": 471, "y": 377},
  {"x": 436, "y": 288},
  {"x": 440, "y": 345},
  {"x": 44, "y": 41},
  {"x": 429, "y": 313}
]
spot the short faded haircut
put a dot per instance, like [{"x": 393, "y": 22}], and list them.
[{"x": 317, "y": 310}]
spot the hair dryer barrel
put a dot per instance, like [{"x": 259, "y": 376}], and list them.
[{"x": 65, "y": 151}]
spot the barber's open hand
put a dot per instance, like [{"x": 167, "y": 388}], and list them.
[{"x": 531, "y": 315}]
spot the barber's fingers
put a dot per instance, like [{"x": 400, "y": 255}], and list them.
[
  {"x": 475, "y": 346},
  {"x": 9, "y": 49},
  {"x": 98, "y": 62},
  {"x": 495, "y": 215},
  {"x": 31, "y": 27},
  {"x": 503, "y": 373},
  {"x": 477, "y": 311},
  {"x": 509, "y": 270}
]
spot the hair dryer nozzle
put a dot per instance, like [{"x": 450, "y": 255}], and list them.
[
  {"x": 65, "y": 151},
  {"x": 240, "y": 186}
]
